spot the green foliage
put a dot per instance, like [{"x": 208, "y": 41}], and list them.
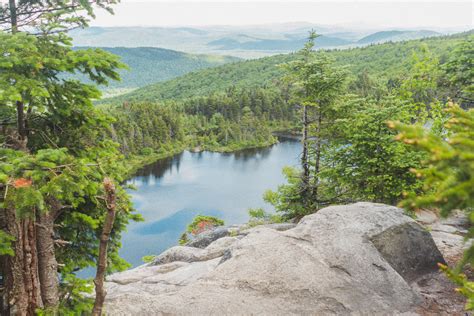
[
  {"x": 420, "y": 86},
  {"x": 5, "y": 244},
  {"x": 364, "y": 162},
  {"x": 258, "y": 216},
  {"x": 447, "y": 174},
  {"x": 73, "y": 299},
  {"x": 222, "y": 122},
  {"x": 144, "y": 128},
  {"x": 149, "y": 65},
  {"x": 257, "y": 213},
  {"x": 52, "y": 16},
  {"x": 448, "y": 171},
  {"x": 385, "y": 61},
  {"x": 64, "y": 153},
  {"x": 33, "y": 179},
  {"x": 146, "y": 151},
  {"x": 315, "y": 77},
  {"x": 148, "y": 259},
  {"x": 286, "y": 199},
  {"x": 200, "y": 224},
  {"x": 183, "y": 239},
  {"x": 354, "y": 155},
  {"x": 466, "y": 287},
  {"x": 29, "y": 74},
  {"x": 460, "y": 72},
  {"x": 316, "y": 84}
]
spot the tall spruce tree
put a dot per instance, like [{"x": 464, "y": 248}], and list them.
[
  {"x": 316, "y": 84},
  {"x": 54, "y": 156}
]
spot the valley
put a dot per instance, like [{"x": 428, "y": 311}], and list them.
[{"x": 151, "y": 166}]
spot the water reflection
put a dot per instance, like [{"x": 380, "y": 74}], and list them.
[
  {"x": 172, "y": 191},
  {"x": 159, "y": 168},
  {"x": 175, "y": 223}
]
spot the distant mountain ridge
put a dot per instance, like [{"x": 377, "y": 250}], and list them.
[
  {"x": 395, "y": 36},
  {"x": 243, "y": 41},
  {"x": 288, "y": 44}
]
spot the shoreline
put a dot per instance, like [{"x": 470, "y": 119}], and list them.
[{"x": 136, "y": 162}]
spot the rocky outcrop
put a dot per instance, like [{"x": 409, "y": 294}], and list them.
[
  {"x": 356, "y": 259},
  {"x": 206, "y": 238},
  {"x": 448, "y": 233}
]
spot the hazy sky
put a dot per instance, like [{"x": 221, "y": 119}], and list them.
[{"x": 378, "y": 13}]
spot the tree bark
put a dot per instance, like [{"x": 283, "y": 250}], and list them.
[
  {"x": 22, "y": 287},
  {"x": 3, "y": 264},
  {"x": 22, "y": 140},
  {"x": 110, "y": 199},
  {"x": 13, "y": 16},
  {"x": 318, "y": 161},
  {"x": 47, "y": 264},
  {"x": 304, "y": 156}
]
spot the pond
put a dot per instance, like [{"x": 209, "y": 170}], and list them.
[{"x": 172, "y": 191}]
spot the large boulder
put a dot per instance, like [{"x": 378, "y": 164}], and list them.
[{"x": 354, "y": 259}]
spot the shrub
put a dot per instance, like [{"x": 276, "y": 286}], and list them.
[{"x": 200, "y": 224}]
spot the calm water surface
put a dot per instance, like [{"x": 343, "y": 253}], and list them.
[{"x": 172, "y": 191}]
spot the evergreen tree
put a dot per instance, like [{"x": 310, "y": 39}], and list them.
[
  {"x": 317, "y": 85},
  {"x": 54, "y": 155},
  {"x": 364, "y": 162}
]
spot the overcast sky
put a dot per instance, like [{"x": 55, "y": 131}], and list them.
[{"x": 378, "y": 13}]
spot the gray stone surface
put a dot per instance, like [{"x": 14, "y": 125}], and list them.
[
  {"x": 426, "y": 217},
  {"x": 327, "y": 265},
  {"x": 206, "y": 238},
  {"x": 192, "y": 254},
  {"x": 399, "y": 245}
]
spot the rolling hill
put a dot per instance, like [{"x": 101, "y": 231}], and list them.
[
  {"x": 288, "y": 44},
  {"x": 380, "y": 60},
  {"x": 395, "y": 36},
  {"x": 150, "y": 65}
]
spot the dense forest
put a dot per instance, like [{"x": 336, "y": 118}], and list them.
[
  {"x": 387, "y": 61},
  {"x": 147, "y": 65},
  {"x": 390, "y": 123},
  {"x": 225, "y": 121},
  {"x": 208, "y": 108}
]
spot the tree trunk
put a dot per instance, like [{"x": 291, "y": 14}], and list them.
[
  {"x": 22, "y": 287},
  {"x": 110, "y": 200},
  {"x": 304, "y": 156},
  {"x": 22, "y": 140},
  {"x": 47, "y": 264},
  {"x": 13, "y": 16},
  {"x": 318, "y": 161},
  {"x": 3, "y": 263}
]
